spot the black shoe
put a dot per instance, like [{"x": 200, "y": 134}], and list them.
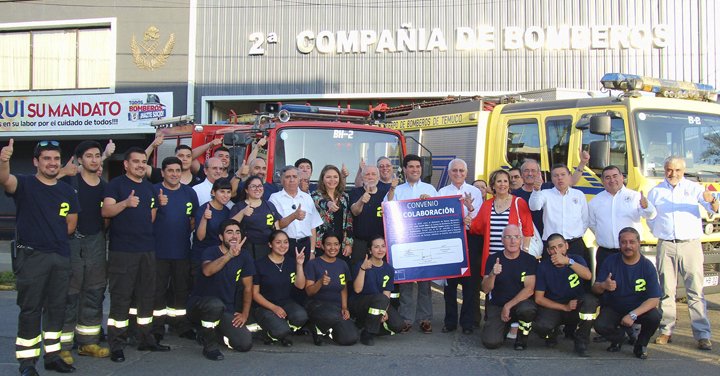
[
  {"x": 59, "y": 366},
  {"x": 268, "y": 340},
  {"x": 318, "y": 339},
  {"x": 520, "y": 346},
  {"x": 448, "y": 328},
  {"x": 199, "y": 338},
  {"x": 30, "y": 371},
  {"x": 599, "y": 339},
  {"x": 640, "y": 352},
  {"x": 617, "y": 346},
  {"x": 117, "y": 356},
  {"x": 551, "y": 342},
  {"x": 366, "y": 338},
  {"x": 581, "y": 349},
  {"x": 158, "y": 337},
  {"x": 189, "y": 334},
  {"x": 286, "y": 342},
  {"x": 213, "y": 355},
  {"x": 154, "y": 347},
  {"x": 467, "y": 331}
]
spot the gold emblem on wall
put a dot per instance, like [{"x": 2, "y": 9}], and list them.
[{"x": 152, "y": 57}]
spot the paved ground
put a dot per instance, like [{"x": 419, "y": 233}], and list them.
[{"x": 407, "y": 354}]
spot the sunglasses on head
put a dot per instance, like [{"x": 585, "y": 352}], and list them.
[{"x": 45, "y": 143}]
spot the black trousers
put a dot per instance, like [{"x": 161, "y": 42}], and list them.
[
  {"x": 360, "y": 248},
  {"x": 210, "y": 313},
  {"x": 172, "y": 275},
  {"x": 132, "y": 279},
  {"x": 305, "y": 244},
  {"x": 42, "y": 287},
  {"x": 83, "y": 307},
  {"x": 548, "y": 319},
  {"x": 608, "y": 325},
  {"x": 495, "y": 329},
  {"x": 467, "y": 310},
  {"x": 278, "y": 328},
  {"x": 369, "y": 310},
  {"x": 260, "y": 250},
  {"x": 600, "y": 256},
  {"x": 328, "y": 320}
]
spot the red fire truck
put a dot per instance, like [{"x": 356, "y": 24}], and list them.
[{"x": 324, "y": 135}]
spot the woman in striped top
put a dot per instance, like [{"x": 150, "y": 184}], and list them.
[{"x": 498, "y": 212}]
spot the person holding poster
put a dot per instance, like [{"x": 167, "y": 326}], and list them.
[
  {"x": 413, "y": 188},
  {"x": 472, "y": 199},
  {"x": 510, "y": 283}
]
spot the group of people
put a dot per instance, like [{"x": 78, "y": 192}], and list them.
[{"x": 203, "y": 249}]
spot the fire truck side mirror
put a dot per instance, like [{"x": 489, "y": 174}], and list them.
[
  {"x": 427, "y": 168},
  {"x": 600, "y": 125},
  {"x": 599, "y": 154},
  {"x": 234, "y": 139}
]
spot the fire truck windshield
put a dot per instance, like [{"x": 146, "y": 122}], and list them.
[
  {"x": 335, "y": 146},
  {"x": 691, "y": 135}
]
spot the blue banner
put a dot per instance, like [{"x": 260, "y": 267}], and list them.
[{"x": 426, "y": 238}]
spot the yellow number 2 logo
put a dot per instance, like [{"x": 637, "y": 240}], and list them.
[
  {"x": 64, "y": 209},
  {"x": 292, "y": 277},
  {"x": 270, "y": 219},
  {"x": 523, "y": 277},
  {"x": 385, "y": 280},
  {"x": 237, "y": 278},
  {"x": 574, "y": 280},
  {"x": 189, "y": 208},
  {"x": 640, "y": 285},
  {"x": 342, "y": 279}
]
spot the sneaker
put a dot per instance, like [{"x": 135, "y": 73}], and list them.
[
  {"x": 93, "y": 350},
  {"x": 407, "y": 328},
  {"x": 705, "y": 344},
  {"x": 640, "y": 352},
  {"x": 520, "y": 345},
  {"x": 663, "y": 339},
  {"x": 213, "y": 355},
  {"x": 366, "y": 338},
  {"x": 426, "y": 327},
  {"x": 66, "y": 356},
  {"x": 449, "y": 328}
]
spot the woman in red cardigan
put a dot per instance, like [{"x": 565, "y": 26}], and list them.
[{"x": 498, "y": 212}]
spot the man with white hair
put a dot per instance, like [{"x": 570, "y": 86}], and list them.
[
  {"x": 367, "y": 211},
  {"x": 213, "y": 171},
  {"x": 678, "y": 228},
  {"x": 471, "y": 199}
]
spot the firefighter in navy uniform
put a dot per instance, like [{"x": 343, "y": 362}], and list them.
[
  {"x": 561, "y": 297},
  {"x": 83, "y": 309},
  {"x": 131, "y": 202},
  {"x": 46, "y": 214},
  {"x": 172, "y": 229},
  {"x": 212, "y": 304}
]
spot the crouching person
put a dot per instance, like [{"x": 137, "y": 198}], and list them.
[
  {"x": 632, "y": 292},
  {"x": 212, "y": 302},
  {"x": 370, "y": 304},
  {"x": 510, "y": 282},
  {"x": 277, "y": 313},
  {"x": 561, "y": 297}
]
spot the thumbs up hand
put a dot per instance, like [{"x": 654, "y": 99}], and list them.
[
  {"x": 132, "y": 201},
  {"x": 610, "y": 285},
  {"x": 344, "y": 171},
  {"x": 7, "y": 151},
  {"x": 70, "y": 169},
  {"x": 244, "y": 169},
  {"x": 362, "y": 163},
  {"x": 299, "y": 213},
  {"x": 333, "y": 205},
  {"x": 325, "y": 279},
  {"x": 208, "y": 213},
  {"x": 643, "y": 200},
  {"x": 109, "y": 149},
  {"x": 497, "y": 268},
  {"x": 163, "y": 199},
  {"x": 708, "y": 196},
  {"x": 367, "y": 264},
  {"x": 395, "y": 181}
]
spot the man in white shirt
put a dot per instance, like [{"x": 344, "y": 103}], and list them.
[
  {"x": 294, "y": 203},
  {"x": 213, "y": 171},
  {"x": 413, "y": 189},
  {"x": 614, "y": 209},
  {"x": 678, "y": 228},
  {"x": 472, "y": 199},
  {"x": 564, "y": 211}
]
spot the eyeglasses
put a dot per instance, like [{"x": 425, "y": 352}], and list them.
[
  {"x": 255, "y": 186},
  {"x": 45, "y": 143},
  {"x": 512, "y": 237}
]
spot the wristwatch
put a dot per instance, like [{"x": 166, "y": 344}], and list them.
[
  {"x": 633, "y": 316},
  {"x": 312, "y": 251},
  {"x": 571, "y": 262}
]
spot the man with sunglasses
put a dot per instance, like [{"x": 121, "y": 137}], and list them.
[{"x": 46, "y": 214}]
